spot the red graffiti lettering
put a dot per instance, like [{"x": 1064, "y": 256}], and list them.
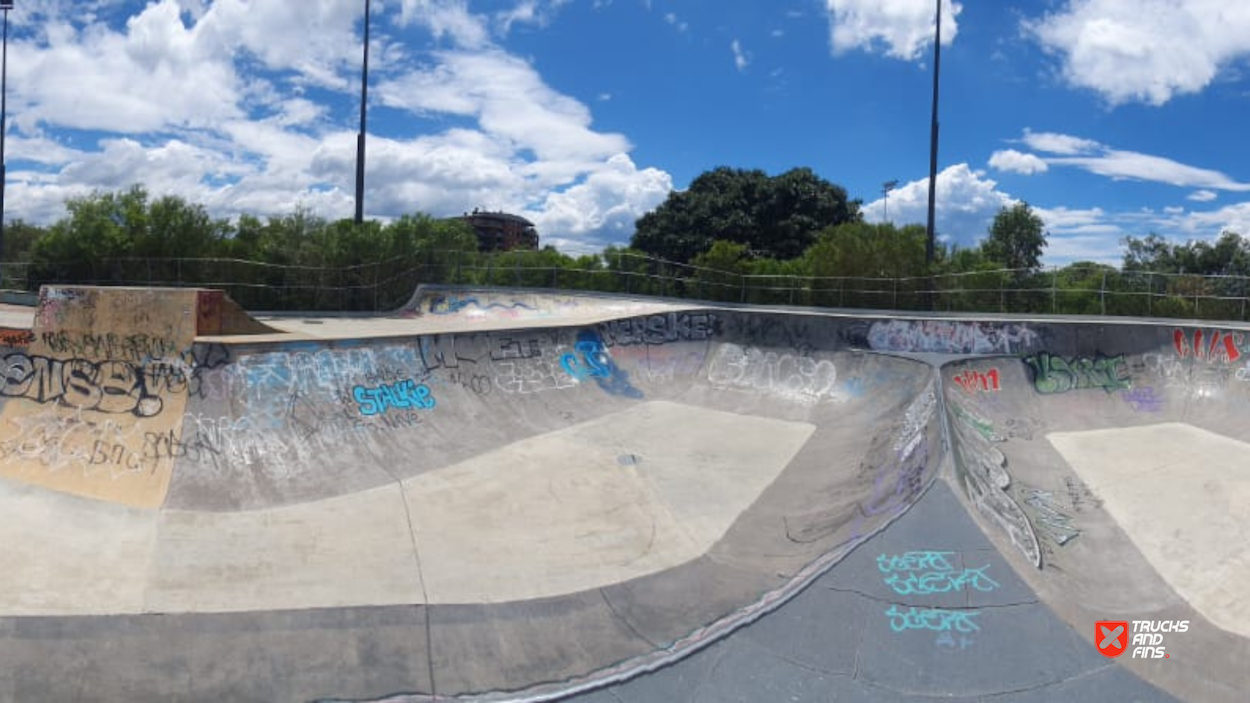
[
  {"x": 973, "y": 381},
  {"x": 1223, "y": 346}
]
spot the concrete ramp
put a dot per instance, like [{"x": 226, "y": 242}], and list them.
[{"x": 562, "y": 493}]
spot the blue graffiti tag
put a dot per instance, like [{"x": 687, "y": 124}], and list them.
[
  {"x": 935, "y": 619},
  {"x": 401, "y": 394},
  {"x": 451, "y": 304},
  {"x": 592, "y": 360},
  {"x": 926, "y": 573}
]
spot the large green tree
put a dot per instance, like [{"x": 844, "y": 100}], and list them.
[
  {"x": 777, "y": 216},
  {"x": 1229, "y": 255},
  {"x": 1017, "y": 238}
]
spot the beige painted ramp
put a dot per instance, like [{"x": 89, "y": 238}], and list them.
[
  {"x": 1182, "y": 494},
  {"x": 91, "y": 398},
  {"x": 622, "y": 496}
]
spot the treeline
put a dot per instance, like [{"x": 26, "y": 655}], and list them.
[{"x": 739, "y": 236}]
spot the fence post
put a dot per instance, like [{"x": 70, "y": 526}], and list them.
[
  {"x": 896, "y": 293},
  {"x": 1150, "y": 294},
  {"x": 1102, "y": 292},
  {"x": 1002, "y": 292},
  {"x": 791, "y": 280},
  {"x": 743, "y": 296},
  {"x": 1054, "y": 290}
]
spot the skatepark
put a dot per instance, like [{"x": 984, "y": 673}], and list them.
[{"x": 506, "y": 494}]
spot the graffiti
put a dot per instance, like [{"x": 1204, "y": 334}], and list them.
[
  {"x": 452, "y": 304},
  {"x": 1079, "y": 495},
  {"x": 935, "y": 619},
  {"x": 1171, "y": 370},
  {"x": 662, "y": 362},
  {"x": 948, "y": 640},
  {"x": 518, "y": 364},
  {"x": 1143, "y": 399},
  {"x": 1054, "y": 374},
  {"x": 227, "y": 443},
  {"x": 15, "y": 338},
  {"x": 908, "y": 575},
  {"x": 1223, "y": 346},
  {"x": 660, "y": 329},
  {"x": 595, "y": 363},
  {"x": 58, "y": 440},
  {"x": 774, "y": 331},
  {"x": 901, "y": 477},
  {"x": 914, "y": 561},
  {"x": 478, "y": 384},
  {"x": 130, "y": 347},
  {"x": 972, "y": 381},
  {"x": 941, "y": 582},
  {"x": 980, "y": 469},
  {"x": 1049, "y": 517},
  {"x": 105, "y": 386},
  {"x": 797, "y": 378},
  {"x": 950, "y": 337},
  {"x": 404, "y": 394}
]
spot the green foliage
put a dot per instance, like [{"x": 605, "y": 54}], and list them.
[
  {"x": 1016, "y": 238},
  {"x": 19, "y": 239},
  {"x": 862, "y": 257},
  {"x": 719, "y": 271},
  {"x": 776, "y": 217}
]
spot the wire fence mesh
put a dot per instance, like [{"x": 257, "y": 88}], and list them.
[{"x": 387, "y": 284}]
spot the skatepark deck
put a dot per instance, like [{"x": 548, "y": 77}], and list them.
[{"x": 497, "y": 494}]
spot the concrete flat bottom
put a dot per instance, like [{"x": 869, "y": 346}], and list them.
[
  {"x": 1182, "y": 494},
  {"x": 619, "y": 497},
  {"x": 625, "y": 495}
]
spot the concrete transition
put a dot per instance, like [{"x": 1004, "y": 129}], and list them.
[{"x": 518, "y": 495}]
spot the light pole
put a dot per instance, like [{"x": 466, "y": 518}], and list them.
[
  {"x": 933, "y": 133},
  {"x": 5, "y": 5},
  {"x": 885, "y": 199},
  {"x": 360, "y": 136}
]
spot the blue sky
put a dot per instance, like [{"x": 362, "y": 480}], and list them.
[{"x": 1111, "y": 118}]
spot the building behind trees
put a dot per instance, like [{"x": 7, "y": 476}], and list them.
[{"x": 500, "y": 231}]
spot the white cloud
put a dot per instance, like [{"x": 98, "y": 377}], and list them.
[
  {"x": 1014, "y": 161},
  {"x": 1145, "y": 51},
  {"x": 234, "y": 114},
  {"x": 446, "y": 18},
  {"x": 898, "y": 28},
  {"x": 741, "y": 58},
  {"x": 1117, "y": 164},
  {"x": 534, "y": 12},
  {"x": 966, "y": 202},
  {"x": 1202, "y": 196},
  {"x": 1054, "y": 143},
  {"x": 605, "y": 204}
]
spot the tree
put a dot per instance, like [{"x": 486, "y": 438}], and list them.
[
  {"x": 776, "y": 217},
  {"x": 1016, "y": 238}
]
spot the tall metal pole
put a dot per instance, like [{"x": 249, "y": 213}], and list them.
[
  {"x": 933, "y": 134},
  {"x": 360, "y": 136},
  {"x": 6, "y": 5}
]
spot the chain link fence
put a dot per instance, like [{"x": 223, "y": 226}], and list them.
[{"x": 388, "y": 284}]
